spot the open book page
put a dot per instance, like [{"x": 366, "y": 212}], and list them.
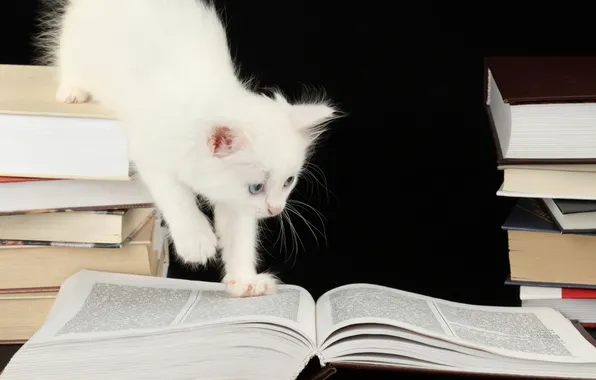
[
  {"x": 96, "y": 305},
  {"x": 525, "y": 333}
]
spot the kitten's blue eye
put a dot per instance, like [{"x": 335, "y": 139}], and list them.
[
  {"x": 255, "y": 188},
  {"x": 289, "y": 181}
]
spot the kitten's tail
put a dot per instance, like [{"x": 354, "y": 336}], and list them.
[{"x": 49, "y": 22}]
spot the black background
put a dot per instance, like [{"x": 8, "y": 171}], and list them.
[{"x": 411, "y": 171}]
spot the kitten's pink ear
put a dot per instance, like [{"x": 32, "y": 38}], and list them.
[
  {"x": 311, "y": 118},
  {"x": 225, "y": 141}
]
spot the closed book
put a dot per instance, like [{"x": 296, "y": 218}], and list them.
[
  {"x": 89, "y": 227},
  {"x": 534, "y": 237},
  {"x": 573, "y": 303},
  {"x": 542, "y": 109},
  {"x": 43, "y": 269},
  {"x": 41, "y": 137},
  {"x": 74, "y": 195},
  {"x": 24, "y": 310},
  {"x": 524, "y": 181},
  {"x": 572, "y": 215}
]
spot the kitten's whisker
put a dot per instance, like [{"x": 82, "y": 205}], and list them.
[
  {"x": 294, "y": 251},
  {"x": 295, "y": 238},
  {"x": 279, "y": 233},
  {"x": 314, "y": 210},
  {"x": 263, "y": 226},
  {"x": 260, "y": 244},
  {"x": 309, "y": 225},
  {"x": 312, "y": 170},
  {"x": 287, "y": 254},
  {"x": 307, "y": 207},
  {"x": 283, "y": 234},
  {"x": 311, "y": 181}
]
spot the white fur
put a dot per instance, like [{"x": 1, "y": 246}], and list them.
[{"x": 164, "y": 67}]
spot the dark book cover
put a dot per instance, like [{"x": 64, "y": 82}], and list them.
[
  {"x": 544, "y": 79},
  {"x": 575, "y": 206},
  {"x": 569, "y": 206},
  {"x": 530, "y": 215},
  {"x": 540, "y": 284}
]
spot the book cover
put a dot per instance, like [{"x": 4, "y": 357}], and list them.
[
  {"x": 575, "y": 206},
  {"x": 530, "y": 214},
  {"x": 542, "y": 79},
  {"x": 31, "y": 90},
  {"x": 509, "y": 281}
]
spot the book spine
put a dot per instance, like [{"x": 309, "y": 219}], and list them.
[
  {"x": 6, "y": 179},
  {"x": 116, "y": 208},
  {"x": 539, "y": 293},
  {"x": 51, "y": 289},
  {"x": 37, "y": 243}
]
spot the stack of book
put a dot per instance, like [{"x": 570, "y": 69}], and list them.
[
  {"x": 68, "y": 200},
  {"x": 543, "y": 114}
]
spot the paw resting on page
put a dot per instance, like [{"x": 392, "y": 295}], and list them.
[
  {"x": 197, "y": 247},
  {"x": 250, "y": 286}
]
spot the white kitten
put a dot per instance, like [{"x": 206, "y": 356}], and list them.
[{"x": 193, "y": 127}]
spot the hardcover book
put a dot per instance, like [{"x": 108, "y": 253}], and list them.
[
  {"x": 75, "y": 195},
  {"x": 106, "y": 325},
  {"x": 576, "y": 304},
  {"x": 34, "y": 126},
  {"x": 572, "y": 216},
  {"x": 99, "y": 229},
  {"x": 539, "y": 252},
  {"x": 530, "y": 215},
  {"x": 542, "y": 109}
]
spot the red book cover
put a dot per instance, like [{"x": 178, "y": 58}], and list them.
[
  {"x": 21, "y": 179},
  {"x": 578, "y": 293}
]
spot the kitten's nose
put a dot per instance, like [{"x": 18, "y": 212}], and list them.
[{"x": 273, "y": 210}]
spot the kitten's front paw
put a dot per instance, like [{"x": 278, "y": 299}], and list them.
[
  {"x": 68, "y": 94},
  {"x": 197, "y": 248},
  {"x": 250, "y": 286}
]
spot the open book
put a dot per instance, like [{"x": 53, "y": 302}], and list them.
[{"x": 128, "y": 327}]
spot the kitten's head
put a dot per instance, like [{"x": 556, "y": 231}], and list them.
[{"x": 260, "y": 154}]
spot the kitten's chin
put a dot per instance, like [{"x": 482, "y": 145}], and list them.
[
  {"x": 265, "y": 215},
  {"x": 260, "y": 215}
]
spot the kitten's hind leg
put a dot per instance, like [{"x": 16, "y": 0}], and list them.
[{"x": 72, "y": 94}]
